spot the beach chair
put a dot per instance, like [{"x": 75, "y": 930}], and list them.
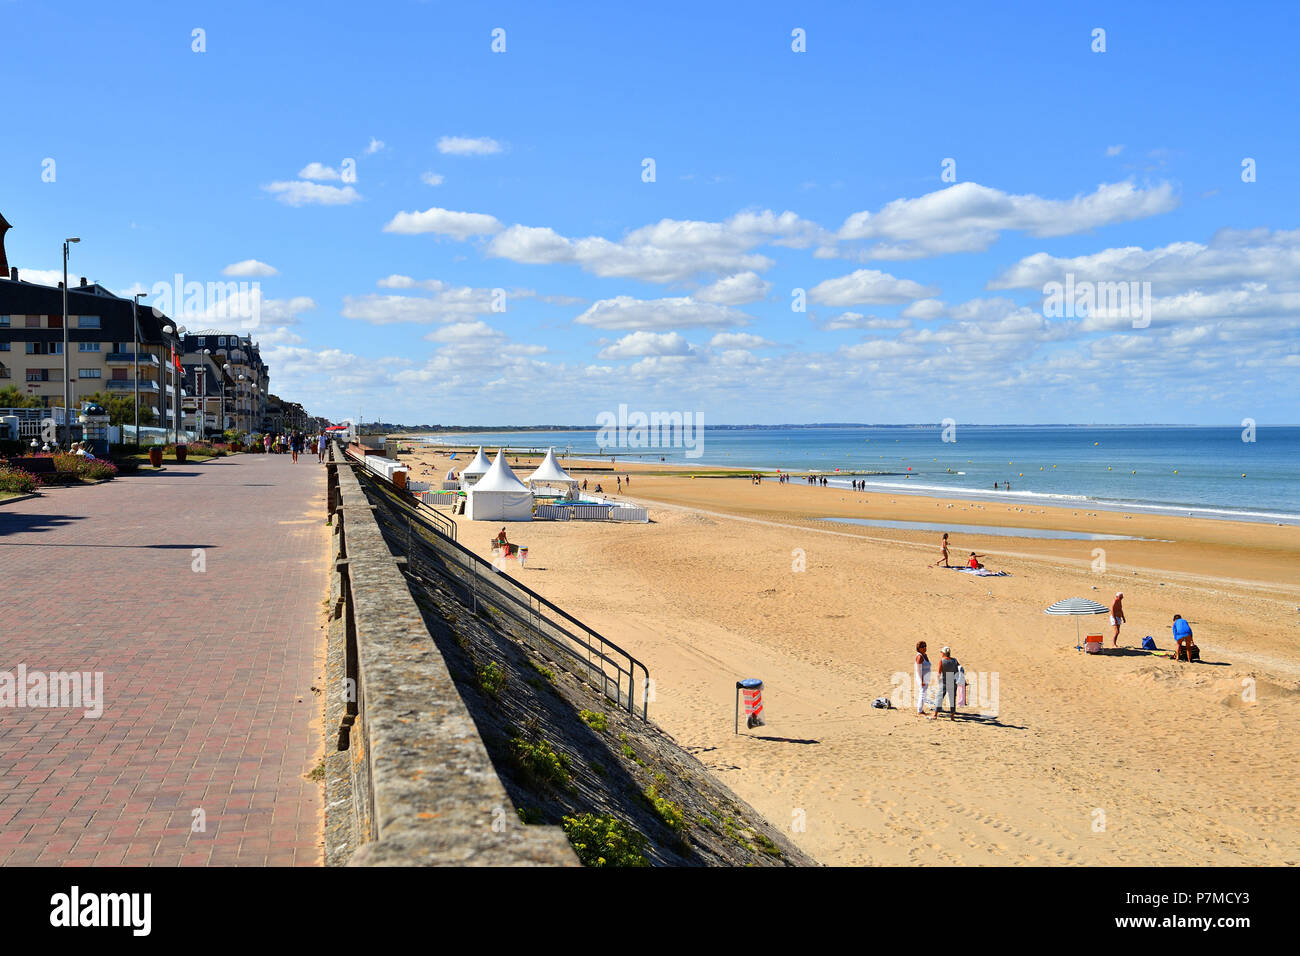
[{"x": 1092, "y": 644}]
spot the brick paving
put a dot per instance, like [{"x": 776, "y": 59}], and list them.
[{"x": 207, "y": 674}]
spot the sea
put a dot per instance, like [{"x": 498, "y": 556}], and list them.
[{"x": 1248, "y": 473}]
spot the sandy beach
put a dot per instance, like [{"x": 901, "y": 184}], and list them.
[{"x": 1123, "y": 758}]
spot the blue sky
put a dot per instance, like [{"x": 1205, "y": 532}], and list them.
[{"x": 775, "y": 170}]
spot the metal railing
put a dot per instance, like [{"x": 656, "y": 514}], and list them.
[{"x": 518, "y": 609}]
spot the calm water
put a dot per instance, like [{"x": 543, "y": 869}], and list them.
[{"x": 1197, "y": 470}]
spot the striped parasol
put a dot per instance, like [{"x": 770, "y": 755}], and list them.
[{"x": 1076, "y": 607}]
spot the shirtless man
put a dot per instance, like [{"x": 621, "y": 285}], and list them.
[{"x": 1117, "y": 617}]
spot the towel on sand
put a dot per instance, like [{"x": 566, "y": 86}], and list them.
[{"x": 982, "y": 572}]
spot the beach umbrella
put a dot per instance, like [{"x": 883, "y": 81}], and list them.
[{"x": 1076, "y": 607}]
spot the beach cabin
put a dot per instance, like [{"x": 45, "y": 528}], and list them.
[{"x": 499, "y": 495}]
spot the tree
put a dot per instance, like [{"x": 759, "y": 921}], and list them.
[{"x": 11, "y": 396}]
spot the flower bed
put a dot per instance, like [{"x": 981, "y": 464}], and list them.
[{"x": 17, "y": 481}]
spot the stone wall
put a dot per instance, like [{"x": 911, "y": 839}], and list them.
[{"x": 411, "y": 782}]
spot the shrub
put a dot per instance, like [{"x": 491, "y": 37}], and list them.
[
  {"x": 92, "y": 469},
  {"x": 670, "y": 813},
  {"x": 16, "y": 480},
  {"x": 541, "y": 760},
  {"x": 491, "y": 678},
  {"x": 594, "y": 719},
  {"x": 602, "y": 840}
]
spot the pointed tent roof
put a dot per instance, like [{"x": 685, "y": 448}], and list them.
[
  {"x": 478, "y": 466},
  {"x": 550, "y": 470},
  {"x": 500, "y": 478}
]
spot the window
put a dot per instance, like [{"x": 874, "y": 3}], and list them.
[
  {"x": 89, "y": 373},
  {"x": 88, "y": 322},
  {"x": 88, "y": 346},
  {"x": 54, "y": 321},
  {"x": 33, "y": 321},
  {"x": 44, "y": 348},
  {"x": 221, "y": 340},
  {"x": 198, "y": 341},
  {"x": 4, "y": 321},
  {"x": 38, "y": 375},
  {"x": 4, "y": 346}
]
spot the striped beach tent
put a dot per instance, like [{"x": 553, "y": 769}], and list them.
[{"x": 1076, "y": 607}]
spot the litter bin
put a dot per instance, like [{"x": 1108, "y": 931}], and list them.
[{"x": 751, "y": 691}]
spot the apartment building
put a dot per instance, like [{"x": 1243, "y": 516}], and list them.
[
  {"x": 239, "y": 358},
  {"x": 101, "y": 345}
]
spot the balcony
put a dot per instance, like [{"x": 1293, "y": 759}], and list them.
[
  {"x": 118, "y": 384},
  {"x": 145, "y": 358}
]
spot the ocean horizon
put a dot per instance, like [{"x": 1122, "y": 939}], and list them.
[{"x": 1207, "y": 471}]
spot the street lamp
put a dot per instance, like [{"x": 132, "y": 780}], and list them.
[
  {"x": 135, "y": 360},
  {"x": 67, "y": 371},
  {"x": 176, "y": 387},
  {"x": 225, "y": 373}
]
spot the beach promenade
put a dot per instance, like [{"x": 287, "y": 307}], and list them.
[{"x": 196, "y": 593}]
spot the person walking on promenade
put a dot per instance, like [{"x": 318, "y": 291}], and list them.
[
  {"x": 266, "y": 442},
  {"x": 320, "y": 447},
  {"x": 295, "y": 445}
]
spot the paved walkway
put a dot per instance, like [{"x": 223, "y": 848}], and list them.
[{"x": 208, "y": 713}]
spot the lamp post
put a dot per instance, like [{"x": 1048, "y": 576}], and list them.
[
  {"x": 135, "y": 360},
  {"x": 225, "y": 374},
  {"x": 176, "y": 387},
  {"x": 67, "y": 371}
]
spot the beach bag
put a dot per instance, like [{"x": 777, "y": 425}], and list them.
[
  {"x": 961, "y": 694},
  {"x": 1194, "y": 653},
  {"x": 882, "y": 703},
  {"x": 1149, "y": 643}
]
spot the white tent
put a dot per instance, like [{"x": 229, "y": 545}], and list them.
[
  {"x": 499, "y": 495},
  {"x": 549, "y": 472},
  {"x": 475, "y": 469}
]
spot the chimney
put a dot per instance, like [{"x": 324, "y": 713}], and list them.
[
  {"x": 4, "y": 262},
  {"x": 13, "y": 273},
  {"x": 83, "y": 282}
]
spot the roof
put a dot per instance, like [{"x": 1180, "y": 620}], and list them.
[
  {"x": 29, "y": 298},
  {"x": 499, "y": 477},
  {"x": 550, "y": 470},
  {"x": 478, "y": 466}
]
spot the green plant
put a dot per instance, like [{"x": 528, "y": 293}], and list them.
[
  {"x": 594, "y": 719},
  {"x": 491, "y": 679},
  {"x": 670, "y": 813},
  {"x": 766, "y": 845},
  {"x": 602, "y": 840},
  {"x": 541, "y": 761},
  {"x": 17, "y": 481}
]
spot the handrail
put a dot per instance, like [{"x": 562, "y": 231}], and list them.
[{"x": 581, "y": 646}]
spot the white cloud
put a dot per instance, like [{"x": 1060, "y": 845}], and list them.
[
  {"x": 1232, "y": 255},
  {"x": 444, "y": 222},
  {"x": 374, "y": 146},
  {"x": 318, "y": 171},
  {"x": 446, "y": 304},
  {"x": 856, "y": 320},
  {"x": 432, "y": 178},
  {"x": 739, "y": 289},
  {"x": 868, "y": 287},
  {"x": 625, "y": 312},
  {"x": 641, "y": 344},
  {"x": 738, "y": 340},
  {"x": 968, "y": 217},
  {"x": 464, "y": 332},
  {"x": 924, "y": 309},
  {"x": 250, "y": 268},
  {"x": 1114, "y": 150},
  {"x": 668, "y": 251},
  {"x": 301, "y": 193},
  {"x": 467, "y": 146}
]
